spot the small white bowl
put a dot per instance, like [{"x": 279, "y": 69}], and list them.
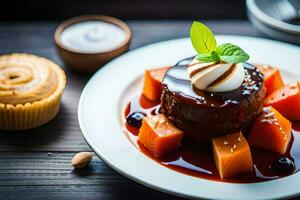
[{"x": 89, "y": 62}]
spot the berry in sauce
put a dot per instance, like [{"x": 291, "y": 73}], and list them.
[
  {"x": 283, "y": 165},
  {"x": 135, "y": 119}
]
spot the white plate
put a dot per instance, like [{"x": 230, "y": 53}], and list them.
[{"x": 104, "y": 97}]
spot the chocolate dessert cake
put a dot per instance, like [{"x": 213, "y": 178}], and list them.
[{"x": 203, "y": 115}]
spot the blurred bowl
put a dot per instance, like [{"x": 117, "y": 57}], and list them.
[
  {"x": 89, "y": 62},
  {"x": 267, "y": 18}
]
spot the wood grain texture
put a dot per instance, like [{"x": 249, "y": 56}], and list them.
[
  {"x": 42, "y": 175},
  {"x": 35, "y": 164}
]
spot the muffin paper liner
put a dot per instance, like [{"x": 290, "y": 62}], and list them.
[{"x": 30, "y": 115}]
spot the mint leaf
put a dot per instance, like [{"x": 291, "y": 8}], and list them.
[
  {"x": 231, "y": 53},
  {"x": 215, "y": 56},
  {"x": 205, "y": 44},
  {"x": 202, "y": 38},
  {"x": 204, "y": 57}
]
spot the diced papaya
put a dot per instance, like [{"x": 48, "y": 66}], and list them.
[
  {"x": 152, "y": 83},
  {"x": 271, "y": 131},
  {"x": 232, "y": 155},
  {"x": 159, "y": 136},
  {"x": 272, "y": 77},
  {"x": 286, "y": 100}
]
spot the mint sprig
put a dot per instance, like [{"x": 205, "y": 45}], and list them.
[
  {"x": 212, "y": 57},
  {"x": 202, "y": 38},
  {"x": 231, "y": 53},
  {"x": 204, "y": 42}
]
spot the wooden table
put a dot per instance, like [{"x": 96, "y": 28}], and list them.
[{"x": 35, "y": 164}]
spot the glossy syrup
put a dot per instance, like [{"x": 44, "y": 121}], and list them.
[
  {"x": 178, "y": 82},
  {"x": 198, "y": 161}
]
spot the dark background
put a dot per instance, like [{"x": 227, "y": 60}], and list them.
[{"x": 124, "y": 9}]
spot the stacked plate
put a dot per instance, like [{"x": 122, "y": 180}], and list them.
[{"x": 279, "y": 19}]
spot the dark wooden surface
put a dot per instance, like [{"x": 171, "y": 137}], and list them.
[{"x": 35, "y": 164}]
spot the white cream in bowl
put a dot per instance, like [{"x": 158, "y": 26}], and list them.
[{"x": 94, "y": 36}]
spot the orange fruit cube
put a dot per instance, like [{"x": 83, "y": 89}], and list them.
[
  {"x": 232, "y": 155},
  {"x": 271, "y": 131},
  {"x": 159, "y": 136},
  {"x": 152, "y": 83},
  {"x": 286, "y": 100},
  {"x": 272, "y": 77}
]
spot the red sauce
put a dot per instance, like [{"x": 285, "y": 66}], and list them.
[{"x": 198, "y": 161}]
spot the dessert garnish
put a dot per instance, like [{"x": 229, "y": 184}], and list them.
[
  {"x": 286, "y": 100},
  {"x": 283, "y": 165},
  {"x": 272, "y": 76},
  {"x": 271, "y": 131},
  {"x": 215, "y": 68},
  {"x": 152, "y": 83},
  {"x": 135, "y": 119},
  {"x": 159, "y": 136},
  {"x": 232, "y": 155}
]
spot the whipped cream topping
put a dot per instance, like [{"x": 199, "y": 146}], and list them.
[{"x": 216, "y": 77}]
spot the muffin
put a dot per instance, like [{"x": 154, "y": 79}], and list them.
[{"x": 30, "y": 91}]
